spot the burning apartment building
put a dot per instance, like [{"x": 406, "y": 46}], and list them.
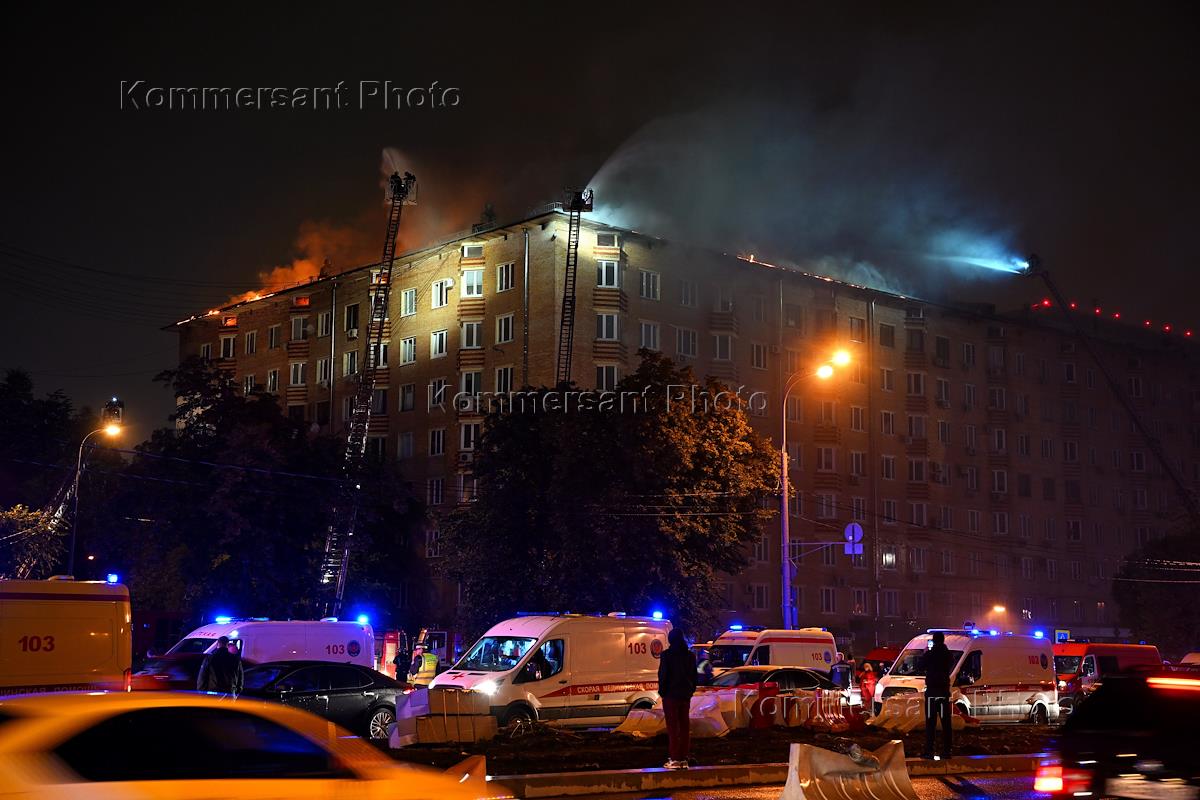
[{"x": 995, "y": 475}]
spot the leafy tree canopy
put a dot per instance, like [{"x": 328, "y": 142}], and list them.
[
  {"x": 1156, "y": 590},
  {"x": 628, "y": 503}
]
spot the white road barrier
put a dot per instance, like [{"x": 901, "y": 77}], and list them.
[
  {"x": 818, "y": 774},
  {"x": 704, "y": 716}
]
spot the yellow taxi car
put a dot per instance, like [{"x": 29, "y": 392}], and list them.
[{"x": 181, "y": 745}]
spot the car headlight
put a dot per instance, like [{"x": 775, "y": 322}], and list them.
[
  {"x": 1062, "y": 684},
  {"x": 487, "y": 687}
]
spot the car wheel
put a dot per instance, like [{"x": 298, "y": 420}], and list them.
[
  {"x": 518, "y": 715},
  {"x": 1039, "y": 716},
  {"x": 381, "y": 719}
]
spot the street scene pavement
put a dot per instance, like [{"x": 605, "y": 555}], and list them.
[{"x": 1004, "y": 787}]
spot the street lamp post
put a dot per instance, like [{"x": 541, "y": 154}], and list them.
[
  {"x": 823, "y": 372},
  {"x": 111, "y": 429}
]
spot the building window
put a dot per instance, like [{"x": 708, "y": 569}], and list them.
[
  {"x": 606, "y": 327},
  {"x": 890, "y": 517},
  {"x": 887, "y": 335},
  {"x": 828, "y": 600},
  {"x": 228, "y": 346},
  {"x": 968, "y": 396},
  {"x": 947, "y": 562},
  {"x": 826, "y": 506},
  {"x": 972, "y": 521},
  {"x": 273, "y": 381},
  {"x": 404, "y": 445},
  {"x": 758, "y": 355},
  {"x": 471, "y": 385},
  {"x": 688, "y": 294},
  {"x": 722, "y": 347},
  {"x": 350, "y": 363},
  {"x": 887, "y": 379},
  {"x": 408, "y": 350},
  {"x": 440, "y": 296},
  {"x": 916, "y": 470},
  {"x": 649, "y": 335},
  {"x": 504, "y": 329},
  {"x": 724, "y": 299},
  {"x": 608, "y": 274},
  {"x": 887, "y": 423},
  {"x": 685, "y": 342},
  {"x": 504, "y": 277},
  {"x": 472, "y": 283},
  {"x": 1000, "y": 481},
  {"x": 437, "y": 442},
  {"x": 968, "y": 354},
  {"x": 888, "y": 467},
  {"x": 472, "y": 251},
  {"x": 890, "y": 600},
  {"x": 1135, "y": 386},
  {"x": 272, "y": 337},
  {"x": 858, "y": 463},
  {"x": 858, "y": 329},
  {"x": 437, "y": 392},
  {"x": 504, "y": 380},
  {"x": 606, "y": 377},
  {"x": 324, "y": 371},
  {"x": 825, "y": 459},
  {"x": 1000, "y": 523},
  {"x": 436, "y": 490},
  {"x": 469, "y": 435},
  {"x": 996, "y": 398},
  {"x": 921, "y": 603},
  {"x": 299, "y": 328},
  {"x": 916, "y": 383},
  {"x": 351, "y": 319},
  {"x": 917, "y": 516},
  {"x": 858, "y": 418},
  {"x": 248, "y": 384},
  {"x": 793, "y": 317},
  {"x": 648, "y": 285},
  {"x": 437, "y": 344},
  {"x": 606, "y": 240},
  {"x": 471, "y": 335},
  {"x": 914, "y": 340},
  {"x": 761, "y": 596},
  {"x": 408, "y": 302},
  {"x": 297, "y": 373},
  {"x": 1137, "y": 461},
  {"x": 325, "y": 324},
  {"x": 408, "y": 396},
  {"x": 762, "y": 548},
  {"x": 251, "y": 342}
]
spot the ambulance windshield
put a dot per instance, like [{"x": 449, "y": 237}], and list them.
[
  {"x": 724, "y": 656},
  {"x": 495, "y": 653},
  {"x": 194, "y": 645},
  {"x": 911, "y": 662}
]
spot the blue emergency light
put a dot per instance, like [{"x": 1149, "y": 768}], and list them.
[
  {"x": 735, "y": 627},
  {"x": 224, "y": 619},
  {"x": 1039, "y": 634},
  {"x": 656, "y": 614},
  {"x": 113, "y": 577},
  {"x": 363, "y": 619}
]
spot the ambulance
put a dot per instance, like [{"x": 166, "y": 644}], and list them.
[
  {"x": 812, "y": 648},
  {"x": 61, "y": 634},
  {"x": 261, "y": 640},
  {"x": 995, "y": 678},
  {"x": 571, "y": 669},
  {"x": 1081, "y": 666}
]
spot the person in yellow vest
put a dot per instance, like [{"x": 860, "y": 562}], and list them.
[{"x": 424, "y": 667}]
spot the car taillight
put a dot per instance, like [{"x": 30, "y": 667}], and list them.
[
  {"x": 127, "y": 676},
  {"x": 1054, "y": 778}
]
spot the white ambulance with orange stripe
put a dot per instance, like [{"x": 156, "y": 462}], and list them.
[
  {"x": 812, "y": 648},
  {"x": 62, "y": 634},
  {"x": 996, "y": 677},
  {"x": 573, "y": 669}
]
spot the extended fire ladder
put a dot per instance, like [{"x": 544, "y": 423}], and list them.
[
  {"x": 336, "y": 562},
  {"x": 576, "y": 203}
]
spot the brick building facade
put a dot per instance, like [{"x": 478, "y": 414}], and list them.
[{"x": 985, "y": 457}]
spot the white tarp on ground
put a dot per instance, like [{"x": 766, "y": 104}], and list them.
[
  {"x": 818, "y": 774},
  {"x": 704, "y": 715},
  {"x": 408, "y": 708},
  {"x": 906, "y": 712}
]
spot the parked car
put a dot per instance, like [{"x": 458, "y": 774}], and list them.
[
  {"x": 186, "y": 745},
  {"x": 355, "y": 697},
  {"x": 1135, "y": 737},
  {"x": 788, "y": 678}
]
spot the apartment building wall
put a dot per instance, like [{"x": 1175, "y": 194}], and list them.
[{"x": 988, "y": 463}]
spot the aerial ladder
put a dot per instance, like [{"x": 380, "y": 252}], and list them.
[
  {"x": 336, "y": 561},
  {"x": 576, "y": 203},
  {"x": 1034, "y": 268}
]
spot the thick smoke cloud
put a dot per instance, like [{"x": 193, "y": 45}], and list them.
[{"x": 855, "y": 194}]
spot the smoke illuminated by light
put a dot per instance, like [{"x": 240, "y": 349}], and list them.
[{"x": 1011, "y": 264}]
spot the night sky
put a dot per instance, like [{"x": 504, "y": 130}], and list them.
[{"x": 853, "y": 139}]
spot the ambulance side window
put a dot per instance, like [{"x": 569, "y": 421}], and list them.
[
  {"x": 1089, "y": 666},
  {"x": 762, "y": 656},
  {"x": 972, "y": 667},
  {"x": 545, "y": 662}
]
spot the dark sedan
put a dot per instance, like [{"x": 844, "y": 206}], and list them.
[
  {"x": 357, "y": 698},
  {"x": 1134, "y": 737}
]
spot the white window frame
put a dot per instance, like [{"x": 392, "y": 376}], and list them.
[
  {"x": 608, "y": 326},
  {"x": 505, "y": 279},
  {"x": 608, "y": 274},
  {"x": 649, "y": 285},
  {"x": 297, "y": 373},
  {"x": 651, "y": 341},
  {"x": 408, "y": 350},
  {"x": 251, "y": 346},
  {"x": 472, "y": 283},
  {"x": 505, "y": 324},
  {"x": 440, "y": 296},
  {"x": 408, "y": 302},
  {"x": 471, "y": 335},
  {"x": 439, "y": 343}
]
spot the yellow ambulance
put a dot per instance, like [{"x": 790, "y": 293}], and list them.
[{"x": 62, "y": 635}]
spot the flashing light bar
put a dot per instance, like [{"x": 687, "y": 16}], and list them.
[
  {"x": 112, "y": 577},
  {"x": 1039, "y": 634},
  {"x": 735, "y": 627},
  {"x": 657, "y": 615},
  {"x": 363, "y": 619},
  {"x": 223, "y": 619}
]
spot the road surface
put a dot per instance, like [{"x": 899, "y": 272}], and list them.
[{"x": 951, "y": 787}]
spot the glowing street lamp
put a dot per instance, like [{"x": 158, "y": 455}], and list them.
[
  {"x": 824, "y": 372},
  {"x": 112, "y": 429},
  {"x": 998, "y": 609}
]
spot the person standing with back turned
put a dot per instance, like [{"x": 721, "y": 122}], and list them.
[
  {"x": 676, "y": 685},
  {"x": 937, "y": 663},
  {"x": 221, "y": 671}
]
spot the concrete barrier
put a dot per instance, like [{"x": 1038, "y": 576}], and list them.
[{"x": 818, "y": 774}]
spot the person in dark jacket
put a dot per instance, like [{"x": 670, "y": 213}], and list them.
[
  {"x": 221, "y": 671},
  {"x": 676, "y": 685},
  {"x": 937, "y": 663}
]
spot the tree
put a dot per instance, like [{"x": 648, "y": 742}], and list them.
[
  {"x": 31, "y": 543},
  {"x": 628, "y": 500},
  {"x": 1155, "y": 590},
  {"x": 229, "y": 511}
]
